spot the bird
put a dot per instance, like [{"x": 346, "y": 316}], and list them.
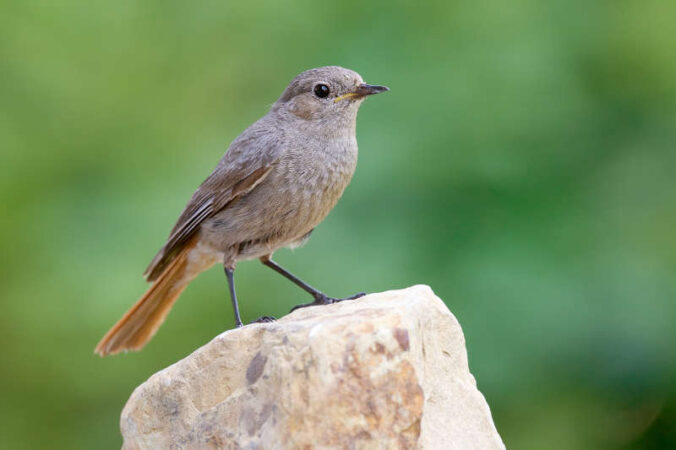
[{"x": 275, "y": 183}]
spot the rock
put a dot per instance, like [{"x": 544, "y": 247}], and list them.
[{"x": 386, "y": 371}]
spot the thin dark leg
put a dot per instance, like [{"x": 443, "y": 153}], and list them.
[
  {"x": 300, "y": 283},
  {"x": 229, "y": 273},
  {"x": 320, "y": 297}
]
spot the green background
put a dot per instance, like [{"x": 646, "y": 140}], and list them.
[{"x": 523, "y": 166}]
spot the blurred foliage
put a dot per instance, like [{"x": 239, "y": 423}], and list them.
[{"x": 523, "y": 165}]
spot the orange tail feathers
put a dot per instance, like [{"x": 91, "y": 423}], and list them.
[{"x": 140, "y": 323}]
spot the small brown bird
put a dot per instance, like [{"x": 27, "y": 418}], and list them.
[{"x": 277, "y": 181}]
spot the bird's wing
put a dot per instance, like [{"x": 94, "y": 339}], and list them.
[{"x": 247, "y": 162}]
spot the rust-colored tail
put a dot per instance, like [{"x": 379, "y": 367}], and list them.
[{"x": 140, "y": 323}]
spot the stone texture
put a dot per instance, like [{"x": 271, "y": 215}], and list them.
[{"x": 386, "y": 371}]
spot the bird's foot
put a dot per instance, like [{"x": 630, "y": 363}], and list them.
[
  {"x": 264, "y": 319},
  {"x": 322, "y": 299}
]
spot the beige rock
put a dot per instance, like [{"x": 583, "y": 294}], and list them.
[{"x": 386, "y": 371}]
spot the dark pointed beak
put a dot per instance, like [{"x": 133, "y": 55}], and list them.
[{"x": 370, "y": 89}]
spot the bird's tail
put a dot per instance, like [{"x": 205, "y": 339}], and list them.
[{"x": 140, "y": 323}]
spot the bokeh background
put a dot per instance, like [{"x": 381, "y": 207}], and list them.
[{"x": 523, "y": 165}]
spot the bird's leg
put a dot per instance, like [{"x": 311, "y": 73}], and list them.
[
  {"x": 320, "y": 297},
  {"x": 229, "y": 273}
]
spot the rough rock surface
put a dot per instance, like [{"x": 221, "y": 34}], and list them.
[{"x": 386, "y": 371}]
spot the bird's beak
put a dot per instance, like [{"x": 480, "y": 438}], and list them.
[
  {"x": 370, "y": 89},
  {"x": 363, "y": 90}
]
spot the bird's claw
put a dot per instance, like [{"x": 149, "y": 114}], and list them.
[
  {"x": 264, "y": 319},
  {"x": 322, "y": 299}
]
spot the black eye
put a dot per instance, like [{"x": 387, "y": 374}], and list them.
[{"x": 322, "y": 91}]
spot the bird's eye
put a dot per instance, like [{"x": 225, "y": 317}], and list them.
[{"x": 322, "y": 91}]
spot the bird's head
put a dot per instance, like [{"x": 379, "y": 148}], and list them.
[{"x": 326, "y": 93}]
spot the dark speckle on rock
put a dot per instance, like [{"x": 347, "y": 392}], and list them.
[
  {"x": 401, "y": 335},
  {"x": 255, "y": 369}
]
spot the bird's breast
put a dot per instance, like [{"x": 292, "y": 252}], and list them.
[
  {"x": 314, "y": 176},
  {"x": 308, "y": 182}
]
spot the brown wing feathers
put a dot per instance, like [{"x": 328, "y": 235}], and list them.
[
  {"x": 200, "y": 208},
  {"x": 182, "y": 231}
]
